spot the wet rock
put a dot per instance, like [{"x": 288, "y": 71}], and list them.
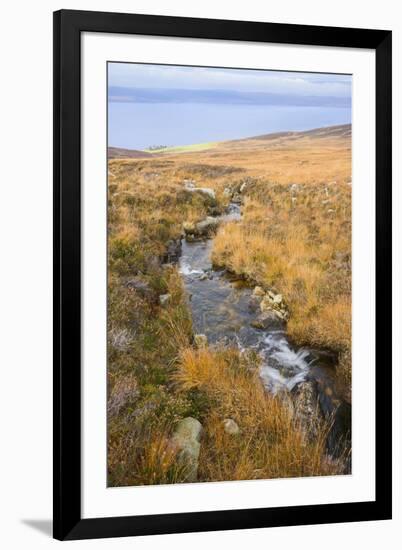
[
  {"x": 164, "y": 299},
  {"x": 266, "y": 304},
  {"x": 277, "y": 299},
  {"x": 200, "y": 340},
  {"x": 202, "y": 229},
  {"x": 254, "y": 303},
  {"x": 206, "y": 191},
  {"x": 186, "y": 439},
  {"x": 230, "y": 426},
  {"x": 307, "y": 408},
  {"x": 259, "y": 291},
  {"x": 207, "y": 226},
  {"x": 188, "y": 227},
  {"x": 206, "y": 275},
  {"x": 173, "y": 251},
  {"x": 274, "y": 302},
  {"x": 268, "y": 320}
]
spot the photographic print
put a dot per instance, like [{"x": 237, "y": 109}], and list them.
[{"x": 229, "y": 274}]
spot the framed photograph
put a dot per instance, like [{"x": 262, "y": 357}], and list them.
[{"x": 222, "y": 274}]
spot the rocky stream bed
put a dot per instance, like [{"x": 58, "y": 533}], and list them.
[{"x": 229, "y": 311}]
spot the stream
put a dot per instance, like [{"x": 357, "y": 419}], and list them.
[{"x": 222, "y": 309}]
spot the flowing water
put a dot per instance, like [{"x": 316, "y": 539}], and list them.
[{"x": 222, "y": 308}]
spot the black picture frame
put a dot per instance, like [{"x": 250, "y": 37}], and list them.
[{"x": 68, "y": 26}]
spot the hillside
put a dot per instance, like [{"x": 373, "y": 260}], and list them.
[
  {"x": 118, "y": 152},
  {"x": 341, "y": 132}
]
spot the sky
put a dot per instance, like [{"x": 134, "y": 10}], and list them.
[{"x": 170, "y": 105}]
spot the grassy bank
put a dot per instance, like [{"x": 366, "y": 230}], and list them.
[
  {"x": 296, "y": 239},
  {"x": 144, "y": 336},
  {"x": 270, "y": 444}
]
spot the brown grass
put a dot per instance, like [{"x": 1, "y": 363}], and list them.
[{"x": 270, "y": 444}]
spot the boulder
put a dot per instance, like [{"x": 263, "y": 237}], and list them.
[
  {"x": 307, "y": 408},
  {"x": 206, "y": 191},
  {"x": 186, "y": 440},
  {"x": 266, "y": 304},
  {"x": 188, "y": 227},
  {"x": 274, "y": 302},
  {"x": 205, "y": 228},
  {"x": 200, "y": 340},
  {"x": 173, "y": 251},
  {"x": 277, "y": 299},
  {"x": 230, "y": 426},
  {"x": 268, "y": 320}
]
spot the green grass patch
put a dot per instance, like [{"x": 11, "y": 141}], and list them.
[{"x": 184, "y": 148}]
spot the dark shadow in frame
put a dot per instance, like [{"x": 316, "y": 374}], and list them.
[{"x": 68, "y": 26}]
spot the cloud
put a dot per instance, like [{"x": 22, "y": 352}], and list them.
[
  {"x": 195, "y": 79},
  {"x": 118, "y": 94}
]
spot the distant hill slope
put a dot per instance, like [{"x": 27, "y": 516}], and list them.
[
  {"x": 118, "y": 153},
  {"x": 341, "y": 130}
]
